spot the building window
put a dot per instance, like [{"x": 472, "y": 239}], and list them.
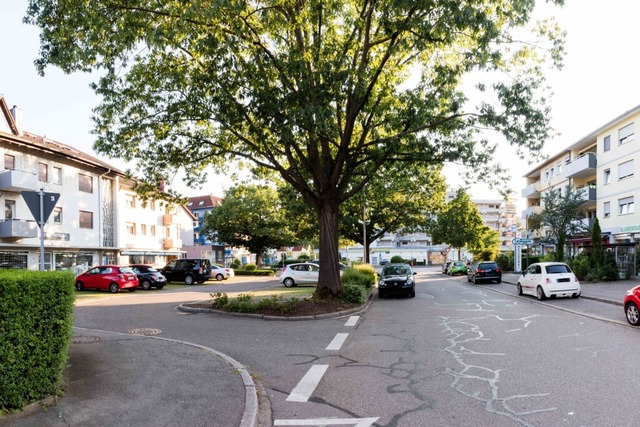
[
  {"x": 143, "y": 229},
  {"x": 625, "y": 169},
  {"x": 85, "y": 183},
  {"x": 607, "y": 176},
  {"x": 625, "y": 134},
  {"x": 43, "y": 172},
  {"x": 57, "y": 215},
  {"x": 9, "y": 209},
  {"x": 559, "y": 167},
  {"x": 86, "y": 219},
  {"x": 625, "y": 206},
  {"x": 607, "y": 143},
  {"x": 551, "y": 173},
  {"x": 57, "y": 175},
  {"x": 546, "y": 175},
  {"x": 152, "y": 205},
  {"x": 153, "y": 230},
  {"x": 130, "y": 200},
  {"x": 9, "y": 161},
  {"x": 607, "y": 209},
  {"x": 131, "y": 229}
]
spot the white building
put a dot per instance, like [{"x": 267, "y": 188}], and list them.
[{"x": 97, "y": 218}]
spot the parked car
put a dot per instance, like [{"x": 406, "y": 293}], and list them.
[
  {"x": 111, "y": 277},
  {"x": 219, "y": 273},
  {"x": 396, "y": 279},
  {"x": 445, "y": 267},
  {"x": 549, "y": 280},
  {"x": 301, "y": 273},
  {"x": 457, "y": 267},
  {"x": 484, "y": 270},
  {"x": 148, "y": 276},
  {"x": 187, "y": 270},
  {"x": 384, "y": 262},
  {"x": 632, "y": 306}
]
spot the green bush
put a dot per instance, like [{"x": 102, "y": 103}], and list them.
[
  {"x": 236, "y": 263},
  {"x": 261, "y": 272},
  {"x": 360, "y": 275},
  {"x": 250, "y": 267},
  {"x": 219, "y": 299},
  {"x": 505, "y": 261},
  {"x": 610, "y": 271},
  {"x": 581, "y": 267},
  {"x": 397, "y": 259},
  {"x": 36, "y": 321},
  {"x": 353, "y": 294}
]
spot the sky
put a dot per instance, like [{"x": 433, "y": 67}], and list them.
[{"x": 599, "y": 81}]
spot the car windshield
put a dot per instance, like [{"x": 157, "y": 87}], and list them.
[
  {"x": 557, "y": 269},
  {"x": 395, "y": 270},
  {"x": 459, "y": 263}
]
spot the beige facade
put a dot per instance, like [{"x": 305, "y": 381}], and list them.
[{"x": 602, "y": 165}]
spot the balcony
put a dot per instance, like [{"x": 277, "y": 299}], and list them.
[
  {"x": 16, "y": 181},
  {"x": 585, "y": 224},
  {"x": 167, "y": 219},
  {"x": 171, "y": 244},
  {"x": 588, "y": 195},
  {"x": 15, "y": 229},
  {"x": 582, "y": 166},
  {"x": 532, "y": 190},
  {"x": 530, "y": 211}
]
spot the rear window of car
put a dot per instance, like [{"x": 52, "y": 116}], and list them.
[
  {"x": 487, "y": 265},
  {"x": 127, "y": 270},
  {"x": 459, "y": 263},
  {"x": 557, "y": 269}
]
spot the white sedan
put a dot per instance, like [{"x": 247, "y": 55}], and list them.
[{"x": 549, "y": 280}]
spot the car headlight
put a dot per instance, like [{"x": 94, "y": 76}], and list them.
[
  {"x": 409, "y": 281},
  {"x": 381, "y": 283}
]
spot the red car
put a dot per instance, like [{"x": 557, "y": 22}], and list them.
[
  {"x": 112, "y": 277},
  {"x": 631, "y": 304}
]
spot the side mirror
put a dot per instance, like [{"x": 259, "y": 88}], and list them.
[
  {"x": 524, "y": 273},
  {"x": 414, "y": 273}
]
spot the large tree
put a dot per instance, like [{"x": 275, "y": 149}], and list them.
[
  {"x": 249, "y": 216},
  {"x": 559, "y": 217},
  {"x": 322, "y": 93},
  {"x": 460, "y": 224}
]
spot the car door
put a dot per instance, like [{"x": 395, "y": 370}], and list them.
[
  {"x": 103, "y": 278},
  {"x": 531, "y": 279},
  {"x": 313, "y": 273}
]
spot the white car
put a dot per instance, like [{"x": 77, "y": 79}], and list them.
[
  {"x": 220, "y": 273},
  {"x": 549, "y": 280},
  {"x": 303, "y": 273}
]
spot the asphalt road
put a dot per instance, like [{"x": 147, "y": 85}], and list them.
[{"x": 456, "y": 354}]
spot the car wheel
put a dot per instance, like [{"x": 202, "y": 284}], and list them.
[
  {"x": 113, "y": 288},
  {"x": 468, "y": 278},
  {"x": 146, "y": 285},
  {"x": 413, "y": 294},
  {"x": 576, "y": 295},
  {"x": 288, "y": 282},
  {"x": 499, "y": 281},
  {"x": 633, "y": 314},
  {"x": 519, "y": 286},
  {"x": 188, "y": 280},
  {"x": 160, "y": 286},
  {"x": 540, "y": 293},
  {"x": 380, "y": 295},
  {"x": 132, "y": 289},
  {"x": 80, "y": 286},
  {"x": 475, "y": 280},
  {"x": 219, "y": 277}
]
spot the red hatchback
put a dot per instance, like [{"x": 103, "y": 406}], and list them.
[
  {"x": 112, "y": 277},
  {"x": 631, "y": 304}
]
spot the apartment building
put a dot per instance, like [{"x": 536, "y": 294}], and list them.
[
  {"x": 202, "y": 246},
  {"x": 98, "y": 218},
  {"x": 602, "y": 166}
]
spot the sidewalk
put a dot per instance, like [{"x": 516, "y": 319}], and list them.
[
  {"x": 609, "y": 292},
  {"x": 117, "y": 379}
]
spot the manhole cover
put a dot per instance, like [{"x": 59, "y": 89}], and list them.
[
  {"x": 85, "y": 340},
  {"x": 145, "y": 331}
]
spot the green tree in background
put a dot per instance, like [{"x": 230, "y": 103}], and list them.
[
  {"x": 487, "y": 247},
  {"x": 460, "y": 224},
  {"x": 320, "y": 93},
  {"x": 249, "y": 216}
]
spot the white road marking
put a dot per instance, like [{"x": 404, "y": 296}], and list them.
[
  {"x": 337, "y": 342},
  {"x": 352, "y": 321},
  {"x": 322, "y": 422},
  {"x": 307, "y": 384}
]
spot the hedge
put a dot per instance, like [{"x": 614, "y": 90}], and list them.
[
  {"x": 261, "y": 272},
  {"x": 36, "y": 321}
]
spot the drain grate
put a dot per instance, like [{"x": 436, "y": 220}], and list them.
[
  {"x": 145, "y": 331},
  {"x": 86, "y": 339}
]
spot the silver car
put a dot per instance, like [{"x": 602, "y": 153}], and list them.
[{"x": 303, "y": 273}]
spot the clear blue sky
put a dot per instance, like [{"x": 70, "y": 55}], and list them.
[{"x": 599, "y": 81}]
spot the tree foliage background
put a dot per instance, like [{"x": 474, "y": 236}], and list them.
[{"x": 321, "y": 93}]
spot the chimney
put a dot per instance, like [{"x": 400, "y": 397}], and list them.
[{"x": 17, "y": 118}]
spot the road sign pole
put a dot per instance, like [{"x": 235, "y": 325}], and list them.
[{"x": 41, "y": 222}]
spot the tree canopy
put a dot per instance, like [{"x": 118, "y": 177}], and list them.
[
  {"x": 321, "y": 93},
  {"x": 249, "y": 216},
  {"x": 460, "y": 224}
]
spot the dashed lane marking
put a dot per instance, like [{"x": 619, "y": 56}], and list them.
[
  {"x": 307, "y": 384},
  {"x": 352, "y": 321},
  {"x": 322, "y": 422},
  {"x": 337, "y": 342}
]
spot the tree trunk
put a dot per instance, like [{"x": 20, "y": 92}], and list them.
[{"x": 329, "y": 278}]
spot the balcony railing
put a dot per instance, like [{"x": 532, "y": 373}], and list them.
[
  {"x": 530, "y": 211},
  {"x": 587, "y": 194},
  {"x": 582, "y": 166},
  {"x": 12, "y": 180},
  {"x": 171, "y": 244},
  {"x": 585, "y": 224},
  {"x": 532, "y": 190},
  {"x": 167, "y": 219},
  {"x": 15, "y": 229}
]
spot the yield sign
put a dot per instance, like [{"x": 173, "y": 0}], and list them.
[{"x": 49, "y": 200}]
